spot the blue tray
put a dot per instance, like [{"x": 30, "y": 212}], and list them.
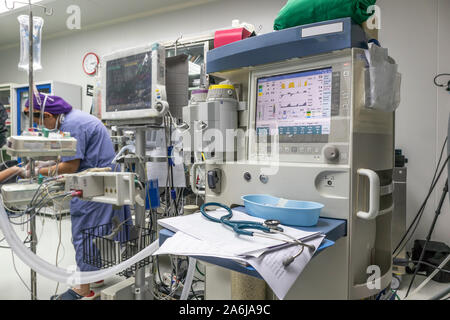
[
  {"x": 288, "y": 212},
  {"x": 334, "y": 229}
]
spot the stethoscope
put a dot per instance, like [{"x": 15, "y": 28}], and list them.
[{"x": 267, "y": 227}]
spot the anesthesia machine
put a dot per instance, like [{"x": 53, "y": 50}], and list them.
[{"x": 311, "y": 127}]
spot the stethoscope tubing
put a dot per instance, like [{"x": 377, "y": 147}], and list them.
[{"x": 237, "y": 225}]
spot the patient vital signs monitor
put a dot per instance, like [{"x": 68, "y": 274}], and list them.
[
  {"x": 133, "y": 83},
  {"x": 129, "y": 83}
]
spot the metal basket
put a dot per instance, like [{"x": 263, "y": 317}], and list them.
[{"x": 104, "y": 248}]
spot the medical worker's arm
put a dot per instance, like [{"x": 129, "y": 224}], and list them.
[
  {"x": 63, "y": 168},
  {"x": 7, "y": 173}
]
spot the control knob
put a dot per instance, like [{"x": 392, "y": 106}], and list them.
[{"x": 331, "y": 153}]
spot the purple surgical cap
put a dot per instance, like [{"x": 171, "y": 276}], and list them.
[{"x": 53, "y": 104}]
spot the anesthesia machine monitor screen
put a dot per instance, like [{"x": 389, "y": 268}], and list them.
[
  {"x": 295, "y": 106},
  {"x": 129, "y": 83}
]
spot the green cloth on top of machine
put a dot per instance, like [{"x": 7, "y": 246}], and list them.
[{"x": 300, "y": 12}]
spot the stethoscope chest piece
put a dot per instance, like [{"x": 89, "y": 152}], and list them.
[{"x": 273, "y": 225}]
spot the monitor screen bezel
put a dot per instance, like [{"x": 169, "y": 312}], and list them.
[
  {"x": 298, "y": 138},
  {"x": 278, "y": 69},
  {"x": 158, "y": 84},
  {"x": 149, "y": 102}
]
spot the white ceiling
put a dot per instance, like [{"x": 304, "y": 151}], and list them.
[{"x": 94, "y": 14}]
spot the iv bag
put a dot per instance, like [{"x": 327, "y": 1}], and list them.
[{"x": 38, "y": 22}]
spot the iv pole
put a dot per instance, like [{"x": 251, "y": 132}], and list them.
[{"x": 48, "y": 12}]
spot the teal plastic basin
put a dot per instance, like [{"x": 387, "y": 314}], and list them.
[{"x": 288, "y": 212}]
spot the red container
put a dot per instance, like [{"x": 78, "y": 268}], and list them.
[{"x": 223, "y": 37}]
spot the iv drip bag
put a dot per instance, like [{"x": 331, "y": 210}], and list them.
[{"x": 38, "y": 22}]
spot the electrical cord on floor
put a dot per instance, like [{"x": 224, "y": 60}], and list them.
[
  {"x": 419, "y": 215},
  {"x": 17, "y": 272},
  {"x": 57, "y": 252},
  {"x": 404, "y": 262},
  {"x": 195, "y": 295},
  {"x": 430, "y": 232},
  {"x": 422, "y": 208}
]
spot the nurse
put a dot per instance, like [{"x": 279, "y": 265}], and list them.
[{"x": 94, "y": 150}]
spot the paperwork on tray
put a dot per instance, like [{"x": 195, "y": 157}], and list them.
[
  {"x": 217, "y": 234},
  {"x": 184, "y": 245},
  {"x": 197, "y": 236},
  {"x": 278, "y": 277}
]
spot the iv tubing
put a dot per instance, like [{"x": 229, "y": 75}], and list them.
[
  {"x": 68, "y": 275},
  {"x": 189, "y": 277}
]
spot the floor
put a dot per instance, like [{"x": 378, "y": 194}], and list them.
[
  {"x": 429, "y": 290},
  {"x": 15, "y": 275},
  {"x": 47, "y": 248},
  {"x": 48, "y": 239},
  {"x": 18, "y": 283}
]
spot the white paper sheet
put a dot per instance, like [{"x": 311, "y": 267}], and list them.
[
  {"x": 184, "y": 245},
  {"x": 269, "y": 266},
  {"x": 279, "y": 278},
  {"x": 196, "y": 225}
]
